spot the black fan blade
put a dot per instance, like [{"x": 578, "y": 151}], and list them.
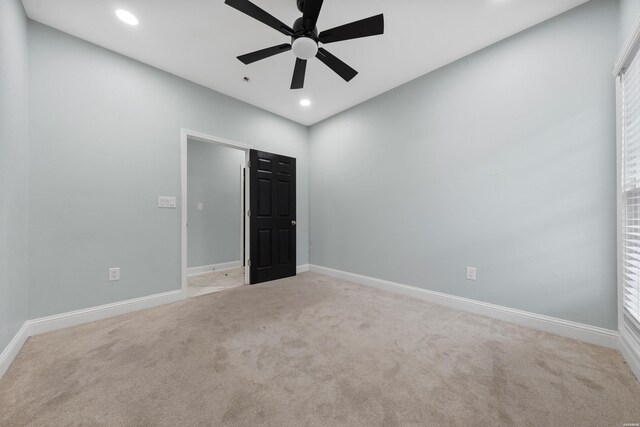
[
  {"x": 372, "y": 26},
  {"x": 311, "y": 13},
  {"x": 245, "y": 6},
  {"x": 297, "y": 82},
  {"x": 340, "y": 68},
  {"x": 248, "y": 58}
]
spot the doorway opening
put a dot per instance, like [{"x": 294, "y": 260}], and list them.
[{"x": 215, "y": 194}]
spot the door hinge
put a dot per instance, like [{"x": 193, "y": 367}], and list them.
[
  {"x": 249, "y": 164},
  {"x": 249, "y": 212},
  {"x": 249, "y": 262}
]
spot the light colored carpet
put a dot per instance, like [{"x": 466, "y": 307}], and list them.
[{"x": 313, "y": 351}]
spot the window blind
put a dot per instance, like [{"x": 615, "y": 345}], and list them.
[{"x": 631, "y": 189}]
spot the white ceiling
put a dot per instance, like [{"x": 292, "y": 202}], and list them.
[{"x": 200, "y": 39}]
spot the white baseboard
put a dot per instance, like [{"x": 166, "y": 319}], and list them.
[
  {"x": 302, "y": 268},
  {"x": 194, "y": 271},
  {"x": 630, "y": 349},
  {"x": 11, "y": 350},
  {"x": 78, "y": 317},
  {"x": 566, "y": 328}
]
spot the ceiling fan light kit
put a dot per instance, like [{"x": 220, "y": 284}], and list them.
[
  {"x": 304, "y": 48},
  {"x": 305, "y": 38}
]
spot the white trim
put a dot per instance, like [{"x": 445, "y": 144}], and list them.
[
  {"x": 566, "y": 328},
  {"x": 11, "y": 350},
  {"x": 630, "y": 349},
  {"x": 78, "y": 317},
  {"x": 242, "y": 210},
  {"x": 628, "y": 51},
  {"x": 619, "y": 201},
  {"x": 247, "y": 223},
  {"x": 203, "y": 137},
  {"x": 203, "y": 269},
  {"x": 302, "y": 268},
  {"x": 185, "y": 135}
]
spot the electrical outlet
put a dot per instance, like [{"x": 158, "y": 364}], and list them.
[
  {"x": 200, "y": 207},
  {"x": 471, "y": 273},
  {"x": 114, "y": 274}
]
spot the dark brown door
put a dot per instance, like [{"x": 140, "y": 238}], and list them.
[{"x": 272, "y": 216}]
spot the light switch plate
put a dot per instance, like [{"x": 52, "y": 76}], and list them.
[
  {"x": 114, "y": 274},
  {"x": 166, "y": 202},
  {"x": 200, "y": 206}
]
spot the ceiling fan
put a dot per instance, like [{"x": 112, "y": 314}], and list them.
[{"x": 305, "y": 37}]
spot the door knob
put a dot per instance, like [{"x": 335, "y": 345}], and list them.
[{"x": 293, "y": 222}]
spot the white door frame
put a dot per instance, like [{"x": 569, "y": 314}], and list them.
[
  {"x": 185, "y": 135},
  {"x": 242, "y": 213}
]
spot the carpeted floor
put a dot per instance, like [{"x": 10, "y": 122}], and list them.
[{"x": 313, "y": 351}]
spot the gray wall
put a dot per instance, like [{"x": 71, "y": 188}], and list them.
[
  {"x": 629, "y": 12},
  {"x": 504, "y": 160},
  {"x": 14, "y": 168},
  {"x": 105, "y": 134},
  {"x": 213, "y": 180}
]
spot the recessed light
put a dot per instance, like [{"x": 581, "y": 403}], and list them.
[
  {"x": 305, "y": 102},
  {"x": 127, "y": 17}
]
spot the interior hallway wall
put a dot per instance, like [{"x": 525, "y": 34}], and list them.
[
  {"x": 14, "y": 169},
  {"x": 214, "y": 181},
  {"x": 503, "y": 160},
  {"x": 105, "y": 138}
]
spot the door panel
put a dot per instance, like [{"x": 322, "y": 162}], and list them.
[
  {"x": 264, "y": 248},
  {"x": 264, "y": 198},
  {"x": 273, "y": 216},
  {"x": 284, "y": 243},
  {"x": 284, "y": 194}
]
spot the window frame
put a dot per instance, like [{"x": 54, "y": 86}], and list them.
[{"x": 629, "y": 329}]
